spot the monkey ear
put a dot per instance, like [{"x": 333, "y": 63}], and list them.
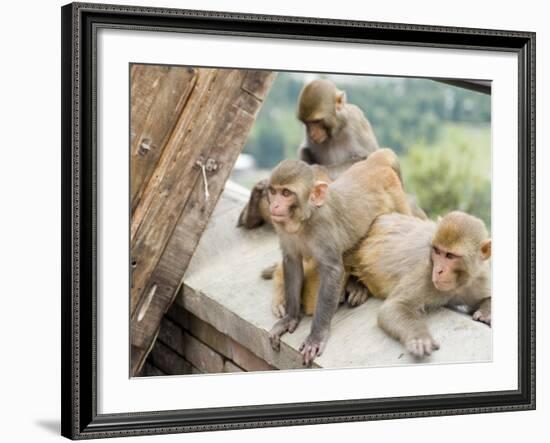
[
  {"x": 340, "y": 100},
  {"x": 486, "y": 249},
  {"x": 318, "y": 193}
]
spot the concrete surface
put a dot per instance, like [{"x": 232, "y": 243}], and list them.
[{"x": 222, "y": 286}]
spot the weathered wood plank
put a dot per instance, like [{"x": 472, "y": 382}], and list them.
[
  {"x": 178, "y": 315},
  {"x": 151, "y": 371},
  {"x": 172, "y": 336},
  {"x": 231, "y": 367},
  {"x": 225, "y": 345},
  {"x": 151, "y": 126},
  {"x": 258, "y": 83},
  {"x": 144, "y": 81},
  {"x": 168, "y": 361},
  {"x": 162, "y": 250},
  {"x": 202, "y": 357}
]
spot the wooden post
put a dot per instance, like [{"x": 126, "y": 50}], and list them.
[{"x": 184, "y": 143}]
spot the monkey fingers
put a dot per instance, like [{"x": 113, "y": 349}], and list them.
[
  {"x": 285, "y": 324},
  {"x": 251, "y": 216},
  {"x": 482, "y": 316},
  {"x": 422, "y": 346},
  {"x": 311, "y": 348},
  {"x": 357, "y": 292}
]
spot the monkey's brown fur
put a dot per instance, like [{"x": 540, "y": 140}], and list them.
[
  {"x": 350, "y": 139},
  {"x": 357, "y": 292},
  {"x": 395, "y": 262},
  {"x": 349, "y": 134},
  {"x": 322, "y": 221}
]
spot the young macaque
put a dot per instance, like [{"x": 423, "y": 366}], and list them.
[
  {"x": 337, "y": 135},
  {"x": 321, "y": 221},
  {"x": 419, "y": 265},
  {"x": 337, "y": 132}
]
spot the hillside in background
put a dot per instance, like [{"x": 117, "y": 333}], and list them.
[{"x": 442, "y": 134}]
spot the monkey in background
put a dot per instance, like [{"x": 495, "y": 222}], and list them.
[
  {"x": 417, "y": 265},
  {"x": 321, "y": 221},
  {"x": 337, "y": 135}
]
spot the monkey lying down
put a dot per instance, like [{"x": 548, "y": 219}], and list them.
[
  {"x": 321, "y": 221},
  {"x": 414, "y": 265}
]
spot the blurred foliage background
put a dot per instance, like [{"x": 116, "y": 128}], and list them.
[{"x": 441, "y": 133}]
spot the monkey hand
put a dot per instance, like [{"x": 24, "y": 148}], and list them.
[
  {"x": 357, "y": 292},
  {"x": 285, "y": 324},
  {"x": 483, "y": 316},
  {"x": 312, "y": 347},
  {"x": 421, "y": 346},
  {"x": 278, "y": 308}
]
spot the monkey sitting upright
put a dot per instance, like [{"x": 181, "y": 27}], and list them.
[
  {"x": 321, "y": 221},
  {"x": 337, "y": 135},
  {"x": 417, "y": 265}
]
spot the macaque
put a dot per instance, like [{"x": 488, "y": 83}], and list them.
[
  {"x": 418, "y": 265},
  {"x": 337, "y": 135},
  {"x": 321, "y": 221},
  {"x": 337, "y": 132},
  {"x": 355, "y": 293}
]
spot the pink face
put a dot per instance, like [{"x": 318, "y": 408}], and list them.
[
  {"x": 316, "y": 131},
  {"x": 280, "y": 201},
  {"x": 446, "y": 266}
]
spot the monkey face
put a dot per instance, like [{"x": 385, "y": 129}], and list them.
[
  {"x": 317, "y": 131},
  {"x": 283, "y": 205},
  {"x": 447, "y": 267}
]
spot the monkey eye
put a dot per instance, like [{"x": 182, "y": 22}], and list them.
[
  {"x": 450, "y": 256},
  {"x": 272, "y": 190},
  {"x": 436, "y": 250},
  {"x": 286, "y": 193}
]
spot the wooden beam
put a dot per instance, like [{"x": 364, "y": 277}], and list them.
[{"x": 174, "y": 207}]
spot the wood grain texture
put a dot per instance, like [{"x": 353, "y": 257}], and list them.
[
  {"x": 173, "y": 209},
  {"x": 158, "y": 95}
]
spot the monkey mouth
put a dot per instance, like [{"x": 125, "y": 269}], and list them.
[
  {"x": 319, "y": 140},
  {"x": 443, "y": 285},
  {"x": 278, "y": 218}
]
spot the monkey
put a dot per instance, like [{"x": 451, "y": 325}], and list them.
[
  {"x": 337, "y": 132},
  {"x": 337, "y": 135},
  {"x": 417, "y": 265},
  {"x": 420, "y": 265},
  {"x": 355, "y": 293},
  {"x": 314, "y": 219}
]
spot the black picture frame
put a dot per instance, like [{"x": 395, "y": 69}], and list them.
[{"x": 79, "y": 177}]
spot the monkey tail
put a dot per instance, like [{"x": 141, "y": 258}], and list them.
[{"x": 267, "y": 273}]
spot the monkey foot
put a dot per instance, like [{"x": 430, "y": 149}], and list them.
[
  {"x": 285, "y": 324},
  {"x": 482, "y": 316},
  {"x": 422, "y": 346},
  {"x": 311, "y": 348},
  {"x": 357, "y": 293}
]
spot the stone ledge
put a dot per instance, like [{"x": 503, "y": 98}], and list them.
[{"x": 222, "y": 286}]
